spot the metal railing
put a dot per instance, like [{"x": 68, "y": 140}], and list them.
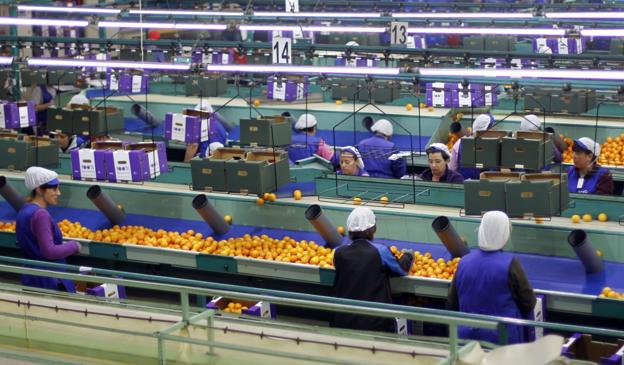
[{"x": 186, "y": 287}]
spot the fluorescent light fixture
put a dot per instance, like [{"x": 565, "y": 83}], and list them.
[
  {"x": 6, "y": 60},
  {"x": 313, "y": 28},
  {"x": 586, "y": 15},
  {"x": 495, "y": 31},
  {"x": 515, "y": 73},
  {"x": 316, "y": 14},
  {"x": 196, "y": 26},
  {"x": 186, "y": 12},
  {"x": 602, "y": 32},
  {"x": 61, "y": 9},
  {"x": 463, "y": 15},
  {"x": 109, "y": 64},
  {"x": 287, "y": 69},
  {"x": 51, "y": 22}
]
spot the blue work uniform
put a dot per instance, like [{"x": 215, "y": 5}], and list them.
[
  {"x": 363, "y": 271},
  {"x": 46, "y": 98},
  {"x": 28, "y": 243},
  {"x": 302, "y": 146},
  {"x": 216, "y": 133},
  {"x": 483, "y": 288},
  {"x": 375, "y": 152},
  {"x": 590, "y": 181}
]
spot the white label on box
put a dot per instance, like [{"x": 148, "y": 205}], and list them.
[
  {"x": 297, "y": 33},
  {"x": 538, "y": 316},
  {"x": 300, "y": 90},
  {"x": 123, "y": 170},
  {"x": 279, "y": 89},
  {"x": 86, "y": 158},
  {"x": 489, "y": 62},
  {"x": 401, "y": 326},
  {"x": 154, "y": 165},
  {"x": 23, "y": 116},
  {"x": 437, "y": 96},
  {"x": 207, "y": 58},
  {"x": 204, "y": 130},
  {"x": 100, "y": 57},
  {"x": 370, "y": 63},
  {"x": 411, "y": 43},
  {"x": 516, "y": 63},
  {"x": 489, "y": 96},
  {"x": 562, "y": 45},
  {"x": 114, "y": 83},
  {"x": 579, "y": 45},
  {"x": 539, "y": 43},
  {"x": 351, "y": 62},
  {"x": 3, "y": 122},
  {"x": 136, "y": 83},
  {"x": 464, "y": 98},
  {"x": 225, "y": 58},
  {"x": 292, "y": 6},
  {"x": 111, "y": 291},
  {"x": 178, "y": 127},
  {"x": 265, "y": 309}
]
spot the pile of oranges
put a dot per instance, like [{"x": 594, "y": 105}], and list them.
[
  {"x": 262, "y": 247},
  {"x": 567, "y": 154},
  {"x": 452, "y": 138},
  {"x": 612, "y": 151},
  {"x": 426, "y": 266},
  {"x": 7, "y": 226},
  {"x": 235, "y": 307},
  {"x": 610, "y": 293}
]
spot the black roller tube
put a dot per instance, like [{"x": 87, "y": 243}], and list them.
[
  {"x": 449, "y": 237},
  {"x": 557, "y": 141},
  {"x": 585, "y": 251},
  {"x": 323, "y": 225},
  {"x": 210, "y": 214},
  {"x": 145, "y": 115},
  {"x": 10, "y": 194},
  {"x": 105, "y": 204},
  {"x": 457, "y": 129}
]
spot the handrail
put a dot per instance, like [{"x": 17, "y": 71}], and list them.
[{"x": 188, "y": 286}]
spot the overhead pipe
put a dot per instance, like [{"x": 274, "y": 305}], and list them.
[
  {"x": 585, "y": 251},
  {"x": 106, "y": 205},
  {"x": 315, "y": 215},
  {"x": 10, "y": 194}
]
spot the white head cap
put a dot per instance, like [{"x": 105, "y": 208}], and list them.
[
  {"x": 589, "y": 145},
  {"x": 352, "y": 44},
  {"x": 360, "y": 219},
  {"x": 530, "y": 123},
  {"x": 494, "y": 231},
  {"x": 37, "y": 176},
  {"x": 356, "y": 154},
  {"x": 305, "y": 121},
  {"x": 482, "y": 122},
  {"x": 440, "y": 147},
  {"x": 204, "y": 106},
  {"x": 382, "y": 126},
  {"x": 214, "y": 146},
  {"x": 79, "y": 99}
]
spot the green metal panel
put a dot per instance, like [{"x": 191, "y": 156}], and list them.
[
  {"x": 8, "y": 239},
  {"x": 215, "y": 263},
  {"x": 107, "y": 250},
  {"x": 610, "y": 308},
  {"x": 327, "y": 276}
]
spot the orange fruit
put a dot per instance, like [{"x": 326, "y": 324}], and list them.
[
  {"x": 409, "y": 106},
  {"x": 297, "y": 194},
  {"x": 260, "y": 201},
  {"x": 341, "y": 230},
  {"x": 576, "y": 218},
  {"x": 603, "y": 217},
  {"x": 357, "y": 200},
  {"x": 587, "y": 217},
  {"x": 272, "y": 197},
  {"x": 228, "y": 219},
  {"x": 384, "y": 200}
]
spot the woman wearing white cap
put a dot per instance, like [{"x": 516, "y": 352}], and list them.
[
  {"x": 38, "y": 235},
  {"x": 586, "y": 176},
  {"x": 305, "y": 143},
  {"x": 377, "y": 151},
  {"x": 217, "y": 132},
  {"x": 492, "y": 282},
  {"x": 66, "y": 142},
  {"x": 438, "y": 156},
  {"x": 482, "y": 122},
  {"x": 351, "y": 162},
  {"x": 363, "y": 271}
]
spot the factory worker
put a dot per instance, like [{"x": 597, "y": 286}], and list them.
[
  {"x": 492, "y": 282},
  {"x": 438, "y": 156},
  {"x": 532, "y": 123},
  {"x": 351, "y": 162},
  {"x": 586, "y": 176},
  {"x": 305, "y": 143},
  {"x": 66, "y": 142},
  {"x": 38, "y": 235},
  {"x": 380, "y": 154},
  {"x": 216, "y": 133},
  {"x": 482, "y": 122},
  {"x": 42, "y": 96},
  {"x": 363, "y": 272}
]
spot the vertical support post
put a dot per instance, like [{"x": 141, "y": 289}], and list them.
[
  {"x": 210, "y": 334},
  {"x": 452, "y": 328},
  {"x": 503, "y": 335},
  {"x": 15, "y": 53},
  {"x": 162, "y": 359},
  {"x": 184, "y": 304}
]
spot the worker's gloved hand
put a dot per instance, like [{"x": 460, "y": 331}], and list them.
[
  {"x": 394, "y": 157},
  {"x": 406, "y": 260}
]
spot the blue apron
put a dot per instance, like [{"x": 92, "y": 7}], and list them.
[{"x": 590, "y": 183}]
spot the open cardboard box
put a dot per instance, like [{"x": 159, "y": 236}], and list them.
[
  {"x": 498, "y": 176},
  {"x": 228, "y": 154},
  {"x": 108, "y": 145},
  {"x": 258, "y": 309},
  {"x": 197, "y": 113}
]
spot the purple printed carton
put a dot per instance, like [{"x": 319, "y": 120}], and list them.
[
  {"x": 88, "y": 164},
  {"x": 156, "y": 155},
  {"x": 7, "y": 115},
  {"x": 439, "y": 94},
  {"x": 286, "y": 89},
  {"x": 259, "y": 309},
  {"x": 186, "y": 128}
]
